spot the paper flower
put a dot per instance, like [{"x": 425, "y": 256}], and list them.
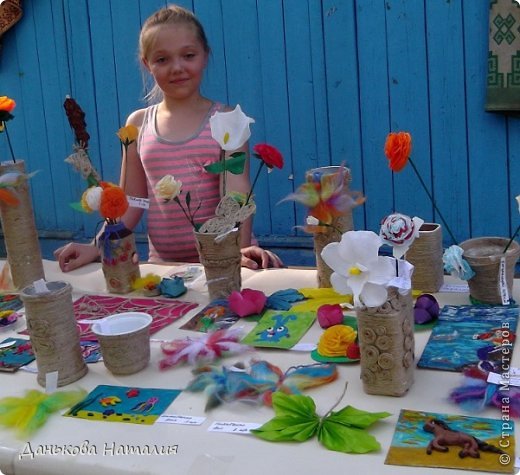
[
  {"x": 455, "y": 264},
  {"x": 399, "y": 231},
  {"x": 330, "y": 315},
  {"x": 247, "y": 302},
  {"x": 358, "y": 268},
  {"x": 113, "y": 203},
  {"x": 335, "y": 340},
  {"x": 7, "y": 105},
  {"x": 231, "y": 129},
  {"x": 426, "y": 309},
  {"x": 326, "y": 198},
  {"x": 398, "y": 147},
  {"x": 127, "y": 135}
]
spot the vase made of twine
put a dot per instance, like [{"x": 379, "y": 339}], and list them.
[
  {"x": 119, "y": 258},
  {"x": 54, "y": 333},
  {"x": 494, "y": 269},
  {"x": 425, "y": 254},
  {"x": 339, "y": 225},
  {"x": 386, "y": 342},
  {"x": 221, "y": 259},
  {"x": 20, "y": 235}
]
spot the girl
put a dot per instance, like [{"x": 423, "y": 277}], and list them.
[{"x": 174, "y": 138}]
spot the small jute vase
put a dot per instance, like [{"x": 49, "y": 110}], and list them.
[
  {"x": 339, "y": 225},
  {"x": 53, "y": 331},
  {"x": 222, "y": 262},
  {"x": 119, "y": 258},
  {"x": 425, "y": 254},
  {"x": 387, "y": 345},
  {"x": 20, "y": 235},
  {"x": 494, "y": 270}
]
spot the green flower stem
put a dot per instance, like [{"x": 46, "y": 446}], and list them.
[
  {"x": 223, "y": 161},
  {"x": 254, "y": 182},
  {"x": 432, "y": 200},
  {"x": 9, "y": 143},
  {"x": 512, "y": 238}
]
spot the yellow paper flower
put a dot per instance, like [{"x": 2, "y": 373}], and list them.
[
  {"x": 335, "y": 340},
  {"x": 128, "y": 134},
  {"x": 168, "y": 188}
]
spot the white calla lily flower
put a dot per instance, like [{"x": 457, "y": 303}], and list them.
[
  {"x": 358, "y": 268},
  {"x": 230, "y": 129}
]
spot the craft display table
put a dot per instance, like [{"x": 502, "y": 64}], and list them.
[{"x": 106, "y": 446}]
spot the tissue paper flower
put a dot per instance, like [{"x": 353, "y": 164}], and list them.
[
  {"x": 335, "y": 340},
  {"x": 400, "y": 231},
  {"x": 455, "y": 264},
  {"x": 426, "y": 309},
  {"x": 247, "y": 302},
  {"x": 330, "y": 315},
  {"x": 168, "y": 189},
  {"x": 358, "y": 268},
  {"x": 269, "y": 155},
  {"x": 398, "y": 147}
]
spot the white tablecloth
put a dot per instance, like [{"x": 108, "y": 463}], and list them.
[{"x": 203, "y": 452}]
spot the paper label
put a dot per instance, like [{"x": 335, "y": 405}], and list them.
[
  {"x": 233, "y": 427},
  {"x": 182, "y": 420},
  {"x": 455, "y": 288},
  {"x": 136, "y": 202},
  {"x": 504, "y": 293},
  {"x": 51, "y": 382},
  {"x": 508, "y": 378}
]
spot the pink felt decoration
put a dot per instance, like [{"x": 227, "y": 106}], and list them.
[
  {"x": 247, "y": 302},
  {"x": 329, "y": 315}
]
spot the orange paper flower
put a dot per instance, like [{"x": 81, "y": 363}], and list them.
[
  {"x": 7, "y": 104},
  {"x": 398, "y": 148},
  {"x": 113, "y": 202}
]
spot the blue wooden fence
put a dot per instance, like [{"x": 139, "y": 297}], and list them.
[{"x": 325, "y": 80}]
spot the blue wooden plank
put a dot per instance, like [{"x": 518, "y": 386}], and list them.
[
  {"x": 513, "y": 128},
  {"x": 487, "y": 138},
  {"x": 445, "y": 47},
  {"x": 374, "y": 110},
  {"x": 343, "y": 91}
]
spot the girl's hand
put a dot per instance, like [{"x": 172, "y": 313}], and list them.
[
  {"x": 254, "y": 257},
  {"x": 74, "y": 255}
]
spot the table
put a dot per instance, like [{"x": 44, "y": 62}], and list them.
[{"x": 203, "y": 452}]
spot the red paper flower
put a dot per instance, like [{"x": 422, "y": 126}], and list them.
[
  {"x": 247, "y": 302},
  {"x": 270, "y": 155},
  {"x": 398, "y": 148},
  {"x": 330, "y": 315}
]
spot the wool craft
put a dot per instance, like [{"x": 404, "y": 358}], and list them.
[
  {"x": 205, "y": 349},
  {"x": 28, "y": 413},
  {"x": 258, "y": 382}
]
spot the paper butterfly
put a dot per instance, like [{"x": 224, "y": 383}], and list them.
[{"x": 228, "y": 213}]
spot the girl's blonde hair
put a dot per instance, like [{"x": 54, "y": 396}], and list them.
[{"x": 170, "y": 15}]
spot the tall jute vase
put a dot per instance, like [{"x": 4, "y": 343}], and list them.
[
  {"x": 20, "y": 235},
  {"x": 387, "y": 346},
  {"x": 53, "y": 331},
  {"x": 494, "y": 270},
  {"x": 339, "y": 225},
  {"x": 426, "y": 256},
  {"x": 119, "y": 258},
  {"x": 222, "y": 262}
]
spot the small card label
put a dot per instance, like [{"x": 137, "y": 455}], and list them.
[
  {"x": 179, "y": 419},
  {"x": 136, "y": 202},
  {"x": 509, "y": 378},
  {"x": 455, "y": 288},
  {"x": 504, "y": 291},
  {"x": 233, "y": 427}
]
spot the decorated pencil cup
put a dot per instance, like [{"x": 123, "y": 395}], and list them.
[
  {"x": 124, "y": 339},
  {"x": 53, "y": 331}
]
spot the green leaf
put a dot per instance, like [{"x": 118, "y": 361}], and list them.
[
  {"x": 350, "y": 416},
  {"x": 234, "y": 164},
  {"x": 293, "y": 405},
  {"x": 284, "y": 429},
  {"x": 188, "y": 199},
  {"x": 77, "y": 206},
  {"x": 341, "y": 438}
]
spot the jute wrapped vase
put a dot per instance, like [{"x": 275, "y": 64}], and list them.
[
  {"x": 494, "y": 270},
  {"x": 387, "y": 346},
  {"x": 20, "y": 235},
  {"x": 339, "y": 225},
  {"x": 119, "y": 258},
  {"x": 53, "y": 331},
  {"x": 425, "y": 254},
  {"x": 222, "y": 262}
]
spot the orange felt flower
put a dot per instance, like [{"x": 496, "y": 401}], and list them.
[
  {"x": 398, "y": 148},
  {"x": 114, "y": 202}
]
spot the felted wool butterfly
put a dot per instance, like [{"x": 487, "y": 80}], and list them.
[{"x": 228, "y": 213}]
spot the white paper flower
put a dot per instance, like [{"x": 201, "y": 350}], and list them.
[
  {"x": 168, "y": 188},
  {"x": 358, "y": 268},
  {"x": 230, "y": 129},
  {"x": 93, "y": 197},
  {"x": 400, "y": 231}
]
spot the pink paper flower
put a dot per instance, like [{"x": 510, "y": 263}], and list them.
[
  {"x": 330, "y": 315},
  {"x": 247, "y": 302}
]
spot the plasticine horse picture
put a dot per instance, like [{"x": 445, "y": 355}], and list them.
[{"x": 445, "y": 437}]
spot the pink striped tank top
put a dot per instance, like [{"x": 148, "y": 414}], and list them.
[{"x": 170, "y": 234}]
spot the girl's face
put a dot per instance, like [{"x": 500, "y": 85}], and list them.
[{"x": 177, "y": 60}]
